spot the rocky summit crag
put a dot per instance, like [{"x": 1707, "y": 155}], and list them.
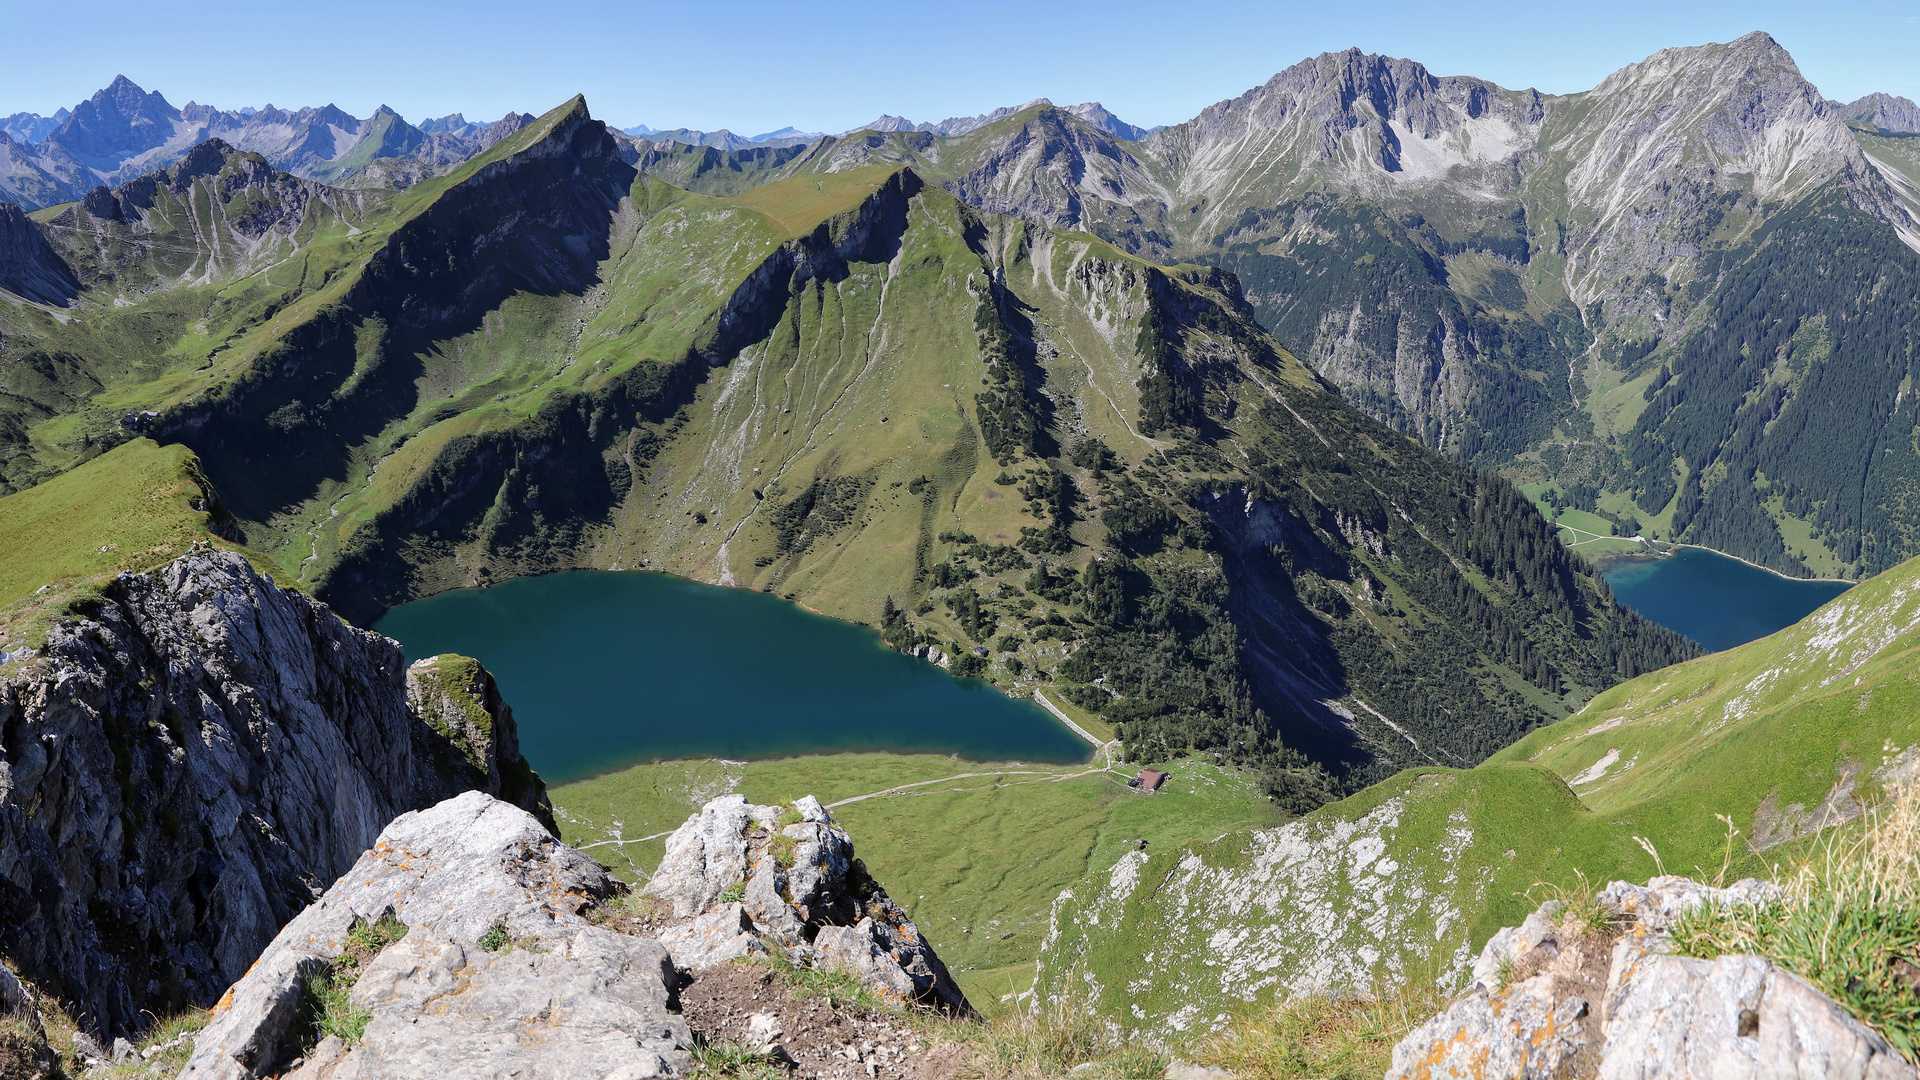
[
  {"x": 799, "y": 887},
  {"x": 499, "y": 972},
  {"x": 511, "y": 959},
  {"x": 1554, "y": 998},
  {"x": 187, "y": 765}
]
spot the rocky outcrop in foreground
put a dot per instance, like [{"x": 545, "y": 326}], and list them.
[
  {"x": 512, "y": 957},
  {"x": 499, "y": 972},
  {"x": 1550, "y": 998},
  {"x": 187, "y": 767},
  {"x": 750, "y": 877}
]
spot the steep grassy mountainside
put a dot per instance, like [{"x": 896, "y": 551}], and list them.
[
  {"x": 132, "y": 509},
  {"x": 1512, "y": 277},
  {"x": 1784, "y": 737},
  {"x": 1058, "y": 462}
]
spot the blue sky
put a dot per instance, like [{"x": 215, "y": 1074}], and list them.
[{"x": 757, "y": 66}]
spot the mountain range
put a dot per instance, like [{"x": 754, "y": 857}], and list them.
[
  {"x": 1229, "y": 434},
  {"x": 123, "y": 132},
  {"x": 1502, "y": 275},
  {"x": 1562, "y": 287},
  {"x": 849, "y": 388}
]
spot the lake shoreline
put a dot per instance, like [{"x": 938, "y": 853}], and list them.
[
  {"x": 995, "y": 765},
  {"x": 1713, "y": 598},
  {"x": 611, "y": 669},
  {"x": 1600, "y": 563}
]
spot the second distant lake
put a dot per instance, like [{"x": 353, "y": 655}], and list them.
[
  {"x": 1715, "y": 599},
  {"x": 606, "y": 669}
]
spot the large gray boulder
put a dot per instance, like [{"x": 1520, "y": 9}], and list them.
[
  {"x": 801, "y": 889},
  {"x": 555, "y": 996},
  {"x": 186, "y": 766},
  {"x": 1551, "y": 999}
]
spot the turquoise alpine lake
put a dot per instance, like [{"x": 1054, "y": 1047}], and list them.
[
  {"x": 606, "y": 669},
  {"x": 1715, "y": 599}
]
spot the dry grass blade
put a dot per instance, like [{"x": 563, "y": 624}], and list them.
[
  {"x": 1323, "y": 1037},
  {"x": 1050, "y": 1042},
  {"x": 1849, "y": 921}
]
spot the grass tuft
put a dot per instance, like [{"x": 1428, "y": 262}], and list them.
[
  {"x": 376, "y": 935},
  {"x": 1056, "y": 1040},
  {"x": 326, "y": 1009},
  {"x": 1849, "y": 921},
  {"x": 1581, "y": 909},
  {"x": 496, "y": 939},
  {"x": 1337, "y": 1037},
  {"x": 21, "y": 1051},
  {"x": 735, "y": 1059},
  {"x": 837, "y": 988}
]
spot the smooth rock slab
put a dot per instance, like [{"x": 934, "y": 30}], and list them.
[
  {"x": 593, "y": 1006},
  {"x": 1733, "y": 1018},
  {"x": 567, "y": 999},
  {"x": 721, "y": 935}
]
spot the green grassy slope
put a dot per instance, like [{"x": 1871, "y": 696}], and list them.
[
  {"x": 132, "y": 509},
  {"x": 1782, "y": 737},
  {"x": 975, "y": 859}
]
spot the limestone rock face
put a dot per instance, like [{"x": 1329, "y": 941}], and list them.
[
  {"x": 186, "y": 769},
  {"x": 477, "y": 747},
  {"x": 723, "y": 934},
  {"x": 558, "y": 997},
  {"x": 1549, "y": 999},
  {"x": 801, "y": 889}
]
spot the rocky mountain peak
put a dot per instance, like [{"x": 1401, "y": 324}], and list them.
[
  {"x": 1886, "y": 113},
  {"x": 1689, "y": 127},
  {"x": 888, "y": 122},
  {"x": 452, "y": 122},
  {"x": 1092, "y": 112},
  {"x": 29, "y": 128},
  {"x": 121, "y": 119},
  {"x": 1096, "y": 114},
  {"x": 1348, "y": 89},
  {"x": 1358, "y": 118}
]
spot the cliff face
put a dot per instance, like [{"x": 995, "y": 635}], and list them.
[
  {"x": 182, "y": 771},
  {"x": 28, "y": 267},
  {"x": 469, "y": 736}
]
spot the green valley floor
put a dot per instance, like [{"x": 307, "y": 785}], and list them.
[{"x": 975, "y": 852}]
